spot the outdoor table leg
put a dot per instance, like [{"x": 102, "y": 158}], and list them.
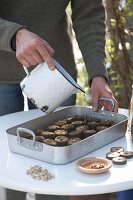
[
  {"x": 2, "y": 193},
  {"x": 30, "y": 196}
]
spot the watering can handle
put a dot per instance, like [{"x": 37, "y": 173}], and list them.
[{"x": 26, "y": 70}]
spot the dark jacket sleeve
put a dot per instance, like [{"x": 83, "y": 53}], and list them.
[
  {"x": 7, "y": 31},
  {"x": 88, "y": 17}
]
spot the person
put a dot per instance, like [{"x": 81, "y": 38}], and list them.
[
  {"x": 31, "y": 32},
  {"x": 35, "y": 31},
  {"x": 125, "y": 195}
]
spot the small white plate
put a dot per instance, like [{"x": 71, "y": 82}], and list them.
[{"x": 94, "y": 165}]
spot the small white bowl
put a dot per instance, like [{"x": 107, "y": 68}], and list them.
[{"x": 94, "y": 165}]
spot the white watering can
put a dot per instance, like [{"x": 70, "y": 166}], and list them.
[{"x": 48, "y": 89}]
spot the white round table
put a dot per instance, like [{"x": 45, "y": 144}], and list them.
[{"x": 68, "y": 180}]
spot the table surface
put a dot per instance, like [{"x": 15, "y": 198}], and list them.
[{"x": 68, "y": 180}]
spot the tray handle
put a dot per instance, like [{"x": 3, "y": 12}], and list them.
[
  {"x": 110, "y": 100},
  {"x": 20, "y": 129}
]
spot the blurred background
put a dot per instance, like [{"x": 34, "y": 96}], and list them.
[{"x": 119, "y": 53}]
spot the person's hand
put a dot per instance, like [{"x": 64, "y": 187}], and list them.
[
  {"x": 100, "y": 88},
  {"x": 32, "y": 50}
]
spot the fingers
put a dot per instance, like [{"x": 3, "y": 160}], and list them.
[
  {"x": 94, "y": 102},
  {"x": 32, "y": 50},
  {"x": 100, "y": 88},
  {"x": 48, "y": 47},
  {"x": 46, "y": 56},
  {"x": 36, "y": 56},
  {"x": 25, "y": 62},
  {"x": 32, "y": 56},
  {"x": 99, "y": 104},
  {"x": 26, "y": 59},
  {"x": 107, "y": 105}
]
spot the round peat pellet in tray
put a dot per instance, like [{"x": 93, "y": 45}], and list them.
[
  {"x": 61, "y": 140},
  {"x": 77, "y": 123},
  {"x": 75, "y": 133},
  {"x": 50, "y": 142},
  {"x": 68, "y": 127},
  {"x": 127, "y": 154},
  {"x": 48, "y": 134},
  {"x": 69, "y": 120},
  {"x": 39, "y": 138},
  {"x": 119, "y": 160},
  {"x": 60, "y": 123},
  {"x": 82, "y": 128},
  {"x": 88, "y": 133},
  {"x": 93, "y": 124},
  {"x": 53, "y": 127},
  {"x": 73, "y": 140},
  {"x": 111, "y": 155},
  {"x": 79, "y": 117},
  {"x": 60, "y": 133},
  {"x": 101, "y": 128},
  {"x": 117, "y": 149},
  {"x": 106, "y": 122}
]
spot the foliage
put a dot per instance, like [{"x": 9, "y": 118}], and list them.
[
  {"x": 119, "y": 48},
  {"x": 82, "y": 80}
]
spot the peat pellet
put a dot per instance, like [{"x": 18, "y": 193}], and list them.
[
  {"x": 39, "y": 138},
  {"x": 73, "y": 140},
  {"x": 93, "y": 124},
  {"x": 61, "y": 140},
  {"x": 127, "y": 154},
  {"x": 60, "y": 123},
  {"x": 48, "y": 134},
  {"x": 82, "y": 128},
  {"x": 60, "y": 133},
  {"x": 117, "y": 149},
  {"x": 88, "y": 133},
  {"x": 79, "y": 117},
  {"x": 69, "y": 120},
  {"x": 75, "y": 133},
  {"x": 106, "y": 122},
  {"x": 119, "y": 160},
  {"x": 68, "y": 127},
  {"x": 111, "y": 155},
  {"x": 53, "y": 127},
  {"x": 77, "y": 123},
  {"x": 101, "y": 128},
  {"x": 50, "y": 142}
]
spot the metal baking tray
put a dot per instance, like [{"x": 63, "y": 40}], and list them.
[{"x": 66, "y": 154}]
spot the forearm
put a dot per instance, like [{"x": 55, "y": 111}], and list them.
[
  {"x": 89, "y": 25},
  {"x": 7, "y": 31}
]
